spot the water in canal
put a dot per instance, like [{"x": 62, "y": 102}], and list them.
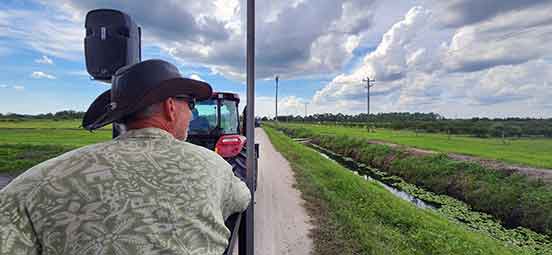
[{"x": 449, "y": 207}]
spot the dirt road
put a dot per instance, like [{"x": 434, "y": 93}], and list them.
[{"x": 281, "y": 222}]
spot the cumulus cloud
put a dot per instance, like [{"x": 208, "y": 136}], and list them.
[
  {"x": 508, "y": 39},
  {"x": 42, "y": 75},
  {"x": 49, "y": 34},
  {"x": 294, "y": 38},
  {"x": 196, "y": 77},
  {"x": 459, "y": 13},
  {"x": 44, "y": 60},
  {"x": 494, "y": 65},
  {"x": 388, "y": 63}
]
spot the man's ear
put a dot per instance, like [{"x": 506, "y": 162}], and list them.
[{"x": 169, "y": 108}]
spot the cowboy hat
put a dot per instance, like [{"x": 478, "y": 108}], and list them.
[{"x": 137, "y": 86}]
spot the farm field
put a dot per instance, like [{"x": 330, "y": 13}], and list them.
[
  {"x": 24, "y": 144},
  {"x": 525, "y": 151}
]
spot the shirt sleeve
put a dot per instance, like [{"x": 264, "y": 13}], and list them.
[
  {"x": 237, "y": 196},
  {"x": 16, "y": 231}
]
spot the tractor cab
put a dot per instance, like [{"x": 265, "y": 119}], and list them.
[{"x": 213, "y": 119}]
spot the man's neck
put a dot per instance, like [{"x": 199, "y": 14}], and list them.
[{"x": 151, "y": 123}]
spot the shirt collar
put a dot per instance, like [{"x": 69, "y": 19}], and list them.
[{"x": 151, "y": 132}]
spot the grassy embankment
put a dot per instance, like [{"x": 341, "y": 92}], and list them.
[
  {"x": 24, "y": 144},
  {"x": 354, "y": 216},
  {"x": 512, "y": 198},
  {"x": 526, "y": 151}
]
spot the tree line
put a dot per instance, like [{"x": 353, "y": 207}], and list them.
[
  {"x": 434, "y": 123},
  {"x": 61, "y": 115}
]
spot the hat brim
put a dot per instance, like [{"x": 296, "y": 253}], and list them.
[{"x": 99, "y": 113}]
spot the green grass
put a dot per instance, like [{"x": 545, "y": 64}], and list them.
[
  {"x": 526, "y": 151},
  {"x": 26, "y": 143},
  {"x": 47, "y": 123},
  {"x": 361, "y": 217},
  {"x": 510, "y": 197},
  {"x": 67, "y": 137},
  {"x": 15, "y": 158}
]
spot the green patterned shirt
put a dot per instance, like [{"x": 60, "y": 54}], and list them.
[{"x": 142, "y": 193}]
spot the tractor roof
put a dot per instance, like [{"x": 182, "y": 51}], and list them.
[{"x": 226, "y": 95}]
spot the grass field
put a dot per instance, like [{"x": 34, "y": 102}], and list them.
[
  {"x": 360, "y": 217},
  {"x": 525, "y": 151},
  {"x": 24, "y": 144}
]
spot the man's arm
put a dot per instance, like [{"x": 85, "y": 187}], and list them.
[{"x": 237, "y": 196}]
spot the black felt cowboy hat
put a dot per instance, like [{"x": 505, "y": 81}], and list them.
[{"x": 137, "y": 86}]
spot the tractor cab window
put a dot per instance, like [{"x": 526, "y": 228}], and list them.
[
  {"x": 204, "y": 117},
  {"x": 229, "y": 117}
]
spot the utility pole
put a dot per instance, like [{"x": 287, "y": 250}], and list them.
[
  {"x": 276, "y": 111},
  {"x": 306, "y": 109},
  {"x": 368, "y": 86}
]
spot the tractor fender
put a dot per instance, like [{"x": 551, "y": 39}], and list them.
[{"x": 229, "y": 146}]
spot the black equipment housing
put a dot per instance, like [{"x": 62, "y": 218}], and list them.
[{"x": 113, "y": 40}]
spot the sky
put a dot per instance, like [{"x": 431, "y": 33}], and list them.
[{"x": 458, "y": 58}]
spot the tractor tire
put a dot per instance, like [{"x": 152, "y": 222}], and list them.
[{"x": 239, "y": 166}]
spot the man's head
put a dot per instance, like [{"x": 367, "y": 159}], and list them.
[
  {"x": 151, "y": 93},
  {"x": 172, "y": 115}
]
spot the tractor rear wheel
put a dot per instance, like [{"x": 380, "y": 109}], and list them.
[{"x": 239, "y": 166}]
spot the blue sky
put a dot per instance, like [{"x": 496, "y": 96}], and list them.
[{"x": 456, "y": 58}]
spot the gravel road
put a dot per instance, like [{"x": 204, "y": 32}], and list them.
[{"x": 281, "y": 222}]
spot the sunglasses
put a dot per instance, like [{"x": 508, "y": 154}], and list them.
[{"x": 190, "y": 100}]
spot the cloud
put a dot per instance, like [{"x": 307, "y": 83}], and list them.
[
  {"x": 49, "y": 33},
  {"x": 78, "y": 73},
  {"x": 484, "y": 69},
  {"x": 458, "y": 13},
  {"x": 196, "y": 77},
  {"x": 388, "y": 63},
  {"x": 288, "y": 105},
  {"x": 497, "y": 41},
  {"x": 42, "y": 75},
  {"x": 19, "y": 87},
  {"x": 3, "y": 86},
  {"x": 44, "y": 60},
  {"x": 212, "y": 33},
  {"x": 463, "y": 57}
]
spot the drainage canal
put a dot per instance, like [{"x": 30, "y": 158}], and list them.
[
  {"x": 451, "y": 208},
  {"x": 360, "y": 169}
]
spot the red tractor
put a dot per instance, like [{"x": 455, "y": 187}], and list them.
[
  {"x": 216, "y": 125},
  {"x": 113, "y": 40}
]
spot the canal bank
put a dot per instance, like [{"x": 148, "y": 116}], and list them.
[
  {"x": 355, "y": 216},
  {"x": 453, "y": 209},
  {"x": 512, "y": 198}
]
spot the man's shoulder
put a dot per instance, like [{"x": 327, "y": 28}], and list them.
[{"x": 201, "y": 153}]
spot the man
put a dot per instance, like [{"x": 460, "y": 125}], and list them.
[{"x": 145, "y": 192}]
